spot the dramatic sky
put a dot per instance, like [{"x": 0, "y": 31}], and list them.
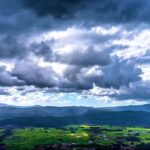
[{"x": 75, "y": 52}]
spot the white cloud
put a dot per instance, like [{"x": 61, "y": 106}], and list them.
[
  {"x": 35, "y": 96},
  {"x": 137, "y": 43}
]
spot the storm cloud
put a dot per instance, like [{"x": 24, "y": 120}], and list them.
[
  {"x": 103, "y": 10},
  {"x": 87, "y": 57},
  {"x": 71, "y": 46},
  {"x": 33, "y": 74},
  {"x": 119, "y": 73},
  {"x": 22, "y": 16},
  {"x": 7, "y": 80},
  {"x": 11, "y": 48}
]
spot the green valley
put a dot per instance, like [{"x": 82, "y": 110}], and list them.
[{"x": 76, "y": 137}]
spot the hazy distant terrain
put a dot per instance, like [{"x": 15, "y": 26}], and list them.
[
  {"x": 39, "y": 116},
  {"x": 145, "y": 108}
]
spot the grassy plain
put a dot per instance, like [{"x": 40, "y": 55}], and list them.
[{"x": 28, "y": 138}]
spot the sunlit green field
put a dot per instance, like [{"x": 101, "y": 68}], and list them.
[
  {"x": 28, "y": 138},
  {"x": 23, "y": 139}
]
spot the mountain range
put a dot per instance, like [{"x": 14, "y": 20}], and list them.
[{"x": 50, "y": 116}]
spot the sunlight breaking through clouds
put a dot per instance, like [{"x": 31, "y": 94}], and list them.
[{"x": 54, "y": 57}]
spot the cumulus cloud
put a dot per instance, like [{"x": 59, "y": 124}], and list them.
[
  {"x": 103, "y": 10},
  {"x": 44, "y": 15},
  {"x": 7, "y": 80},
  {"x": 75, "y": 78},
  {"x": 32, "y": 74},
  {"x": 58, "y": 9},
  {"x": 87, "y": 57},
  {"x": 139, "y": 91},
  {"x": 11, "y": 48},
  {"x": 114, "y": 75},
  {"x": 42, "y": 49},
  {"x": 67, "y": 46},
  {"x": 121, "y": 72}
]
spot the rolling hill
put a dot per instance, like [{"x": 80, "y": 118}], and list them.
[
  {"x": 49, "y": 116},
  {"x": 92, "y": 117}
]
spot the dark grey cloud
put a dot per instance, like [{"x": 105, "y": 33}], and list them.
[
  {"x": 14, "y": 7},
  {"x": 11, "y": 48},
  {"x": 77, "y": 77},
  {"x": 61, "y": 9},
  {"x": 119, "y": 73},
  {"x": 87, "y": 57},
  {"x": 103, "y": 10},
  {"x": 42, "y": 49},
  {"x": 71, "y": 79},
  {"x": 139, "y": 91},
  {"x": 32, "y": 74},
  {"x": 29, "y": 16},
  {"x": 16, "y": 19},
  {"x": 7, "y": 80}
]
